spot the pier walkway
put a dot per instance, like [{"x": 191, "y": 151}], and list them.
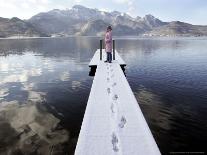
[{"x": 113, "y": 122}]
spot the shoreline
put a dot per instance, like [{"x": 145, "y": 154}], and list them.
[{"x": 116, "y": 37}]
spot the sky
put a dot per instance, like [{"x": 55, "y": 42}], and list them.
[{"x": 191, "y": 11}]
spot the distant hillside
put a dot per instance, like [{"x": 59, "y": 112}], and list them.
[
  {"x": 81, "y": 20},
  {"x": 16, "y": 27},
  {"x": 178, "y": 29}
]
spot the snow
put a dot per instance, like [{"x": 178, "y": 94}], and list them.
[
  {"x": 103, "y": 13},
  {"x": 96, "y": 58},
  {"x": 113, "y": 122}
]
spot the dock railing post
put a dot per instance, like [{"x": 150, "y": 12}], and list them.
[
  {"x": 113, "y": 49},
  {"x": 101, "y": 43}
]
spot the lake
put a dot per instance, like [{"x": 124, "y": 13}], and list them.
[{"x": 167, "y": 75}]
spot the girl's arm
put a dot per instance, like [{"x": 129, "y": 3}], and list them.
[{"x": 108, "y": 38}]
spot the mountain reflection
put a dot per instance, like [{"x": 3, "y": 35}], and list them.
[{"x": 167, "y": 76}]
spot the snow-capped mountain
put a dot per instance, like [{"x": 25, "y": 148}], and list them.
[{"x": 80, "y": 20}]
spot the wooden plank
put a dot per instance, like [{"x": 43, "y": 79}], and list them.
[
  {"x": 96, "y": 58},
  {"x": 113, "y": 122}
]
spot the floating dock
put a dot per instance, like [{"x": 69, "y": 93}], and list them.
[{"x": 113, "y": 122}]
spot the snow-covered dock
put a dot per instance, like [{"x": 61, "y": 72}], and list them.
[
  {"x": 96, "y": 58},
  {"x": 113, "y": 122}
]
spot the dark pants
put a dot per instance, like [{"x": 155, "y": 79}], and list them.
[{"x": 109, "y": 56}]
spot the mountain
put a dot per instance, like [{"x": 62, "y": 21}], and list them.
[
  {"x": 152, "y": 22},
  {"x": 177, "y": 28},
  {"x": 55, "y": 21},
  {"x": 68, "y": 21},
  {"x": 98, "y": 28},
  {"x": 86, "y": 21},
  {"x": 17, "y": 27},
  {"x": 80, "y": 20},
  {"x": 95, "y": 27}
]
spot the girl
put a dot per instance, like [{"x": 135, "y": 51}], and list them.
[{"x": 108, "y": 44}]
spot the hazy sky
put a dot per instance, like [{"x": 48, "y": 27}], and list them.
[{"x": 192, "y": 11}]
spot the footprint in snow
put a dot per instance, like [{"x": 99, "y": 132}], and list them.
[
  {"x": 112, "y": 108},
  {"x": 114, "y": 84},
  {"x": 114, "y": 142},
  {"x": 108, "y": 90},
  {"x": 122, "y": 122},
  {"x": 108, "y": 79},
  {"x": 115, "y": 97}
]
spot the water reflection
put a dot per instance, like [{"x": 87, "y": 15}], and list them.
[
  {"x": 53, "y": 71},
  {"x": 168, "y": 77}
]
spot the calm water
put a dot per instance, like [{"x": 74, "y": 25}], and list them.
[{"x": 168, "y": 77}]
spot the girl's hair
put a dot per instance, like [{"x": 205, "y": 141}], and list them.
[{"x": 109, "y": 28}]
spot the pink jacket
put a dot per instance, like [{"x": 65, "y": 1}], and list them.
[{"x": 108, "y": 41}]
